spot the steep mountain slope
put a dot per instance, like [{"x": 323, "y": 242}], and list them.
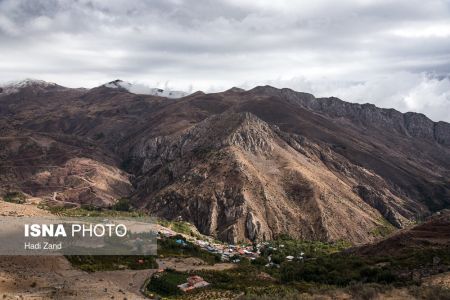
[
  {"x": 238, "y": 164},
  {"x": 62, "y": 168},
  {"x": 249, "y": 183},
  {"x": 432, "y": 234}
]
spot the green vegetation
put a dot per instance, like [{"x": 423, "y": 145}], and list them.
[
  {"x": 93, "y": 263},
  {"x": 338, "y": 270},
  {"x": 15, "y": 197},
  {"x": 208, "y": 294},
  {"x": 358, "y": 291},
  {"x": 415, "y": 258},
  {"x": 168, "y": 247},
  {"x": 360, "y": 277},
  {"x": 342, "y": 269},
  {"x": 181, "y": 227},
  {"x": 243, "y": 278},
  {"x": 383, "y": 230},
  {"x": 325, "y": 269},
  {"x": 165, "y": 284},
  {"x": 284, "y": 246},
  {"x": 123, "y": 204},
  {"x": 246, "y": 279},
  {"x": 90, "y": 207},
  {"x": 90, "y": 211}
]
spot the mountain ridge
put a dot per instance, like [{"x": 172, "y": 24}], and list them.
[
  {"x": 261, "y": 88},
  {"x": 335, "y": 107},
  {"x": 240, "y": 165}
]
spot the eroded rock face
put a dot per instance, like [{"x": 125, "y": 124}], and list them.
[
  {"x": 442, "y": 133},
  {"x": 419, "y": 125},
  {"x": 253, "y": 227},
  {"x": 382, "y": 203},
  {"x": 251, "y": 183}
]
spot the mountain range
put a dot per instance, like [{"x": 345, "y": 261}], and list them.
[{"x": 240, "y": 164}]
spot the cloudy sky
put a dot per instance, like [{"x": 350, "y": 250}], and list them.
[{"x": 391, "y": 53}]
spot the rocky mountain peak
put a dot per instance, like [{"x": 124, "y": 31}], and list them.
[
  {"x": 16, "y": 86},
  {"x": 137, "y": 88},
  {"x": 235, "y": 90},
  {"x": 118, "y": 83},
  {"x": 264, "y": 89}
]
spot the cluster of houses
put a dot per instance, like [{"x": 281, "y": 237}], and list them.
[
  {"x": 229, "y": 252},
  {"x": 232, "y": 253}
]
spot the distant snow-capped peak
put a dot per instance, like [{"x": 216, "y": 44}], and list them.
[
  {"x": 15, "y": 86},
  {"x": 143, "y": 89}
]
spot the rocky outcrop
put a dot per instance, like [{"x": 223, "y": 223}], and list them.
[
  {"x": 244, "y": 188},
  {"x": 410, "y": 124},
  {"x": 382, "y": 203},
  {"x": 442, "y": 133},
  {"x": 419, "y": 126}
]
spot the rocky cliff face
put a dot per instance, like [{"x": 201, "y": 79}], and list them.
[
  {"x": 410, "y": 124},
  {"x": 249, "y": 184},
  {"x": 241, "y": 165}
]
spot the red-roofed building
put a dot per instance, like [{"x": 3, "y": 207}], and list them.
[{"x": 193, "y": 282}]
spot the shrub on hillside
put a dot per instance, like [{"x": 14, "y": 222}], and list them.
[
  {"x": 15, "y": 197},
  {"x": 166, "y": 284},
  {"x": 336, "y": 270},
  {"x": 123, "y": 204}
]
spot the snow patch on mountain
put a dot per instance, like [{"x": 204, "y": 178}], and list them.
[
  {"x": 143, "y": 89},
  {"x": 15, "y": 86}
]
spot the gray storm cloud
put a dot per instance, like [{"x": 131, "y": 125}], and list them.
[{"x": 391, "y": 53}]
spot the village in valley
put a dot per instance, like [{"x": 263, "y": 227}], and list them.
[
  {"x": 229, "y": 252},
  {"x": 223, "y": 253}
]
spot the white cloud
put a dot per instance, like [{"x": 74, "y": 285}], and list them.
[
  {"x": 140, "y": 88},
  {"x": 423, "y": 31}
]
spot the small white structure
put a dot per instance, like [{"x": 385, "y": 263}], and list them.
[{"x": 193, "y": 282}]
